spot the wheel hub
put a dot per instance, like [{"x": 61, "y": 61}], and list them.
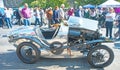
[
  {"x": 100, "y": 57},
  {"x": 28, "y": 52}
]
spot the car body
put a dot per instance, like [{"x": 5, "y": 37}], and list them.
[{"x": 79, "y": 33}]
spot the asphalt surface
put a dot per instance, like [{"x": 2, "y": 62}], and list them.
[{"x": 10, "y": 61}]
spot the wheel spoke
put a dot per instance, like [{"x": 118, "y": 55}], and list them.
[
  {"x": 28, "y": 52},
  {"x": 100, "y": 56}
]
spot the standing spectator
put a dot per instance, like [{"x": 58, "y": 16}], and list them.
[
  {"x": 8, "y": 15},
  {"x": 93, "y": 14},
  {"x": 55, "y": 15},
  {"x": 70, "y": 12},
  {"x": 110, "y": 17},
  {"x": 32, "y": 12},
  {"x": 26, "y": 14},
  {"x": 104, "y": 11},
  {"x": 98, "y": 13},
  {"x": 87, "y": 13},
  {"x": 61, "y": 12},
  {"x": 2, "y": 14},
  {"x": 49, "y": 14},
  {"x": 18, "y": 16},
  {"x": 11, "y": 11},
  {"x": 79, "y": 12},
  {"x": 37, "y": 16},
  {"x": 32, "y": 16},
  {"x": 42, "y": 16},
  {"x": 117, "y": 34}
]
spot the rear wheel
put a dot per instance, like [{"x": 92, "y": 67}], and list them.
[
  {"x": 100, "y": 56},
  {"x": 28, "y": 52}
]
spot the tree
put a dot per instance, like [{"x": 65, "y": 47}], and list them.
[
  {"x": 94, "y": 2},
  {"x": 118, "y": 0},
  {"x": 45, "y": 3},
  {"x": 27, "y": 1},
  {"x": 68, "y": 3}
]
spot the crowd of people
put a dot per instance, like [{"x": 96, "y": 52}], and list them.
[{"x": 105, "y": 16}]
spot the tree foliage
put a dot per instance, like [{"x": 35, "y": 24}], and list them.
[
  {"x": 118, "y": 0},
  {"x": 53, "y": 3},
  {"x": 94, "y": 2},
  {"x": 45, "y": 3}
]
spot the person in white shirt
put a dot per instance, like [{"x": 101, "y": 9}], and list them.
[
  {"x": 37, "y": 16},
  {"x": 8, "y": 15},
  {"x": 110, "y": 17},
  {"x": 61, "y": 13}
]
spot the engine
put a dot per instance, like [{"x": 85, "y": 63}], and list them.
[{"x": 76, "y": 34}]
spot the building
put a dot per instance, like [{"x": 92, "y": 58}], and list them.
[{"x": 12, "y": 3}]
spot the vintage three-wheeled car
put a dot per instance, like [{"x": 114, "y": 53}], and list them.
[{"x": 77, "y": 34}]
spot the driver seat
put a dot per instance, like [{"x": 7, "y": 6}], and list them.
[{"x": 50, "y": 33}]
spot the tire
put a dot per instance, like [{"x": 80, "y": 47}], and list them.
[
  {"x": 57, "y": 51},
  {"x": 94, "y": 55},
  {"x": 28, "y": 57}
]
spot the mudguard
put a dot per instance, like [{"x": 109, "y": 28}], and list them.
[{"x": 34, "y": 39}]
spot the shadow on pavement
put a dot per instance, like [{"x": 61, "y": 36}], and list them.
[{"x": 11, "y": 61}]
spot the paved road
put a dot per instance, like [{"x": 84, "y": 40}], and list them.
[{"x": 10, "y": 61}]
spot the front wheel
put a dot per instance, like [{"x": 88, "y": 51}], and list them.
[
  {"x": 28, "y": 52},
  {"x": 100, "y": 56}
]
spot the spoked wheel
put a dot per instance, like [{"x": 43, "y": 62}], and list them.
[
  {"x": 57, "y": 51},
  {"x": 28, "y": 52},
  {"x": 56, "y": 48},
  {"x": 100, "y": 56}
]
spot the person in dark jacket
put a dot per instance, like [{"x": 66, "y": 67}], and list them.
[
  {"x": 18, "y": 16},
  {"x": 87, "y": 13},
  {"x": 79, "y": 12},
  {"x": 55, "y": 15}
]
